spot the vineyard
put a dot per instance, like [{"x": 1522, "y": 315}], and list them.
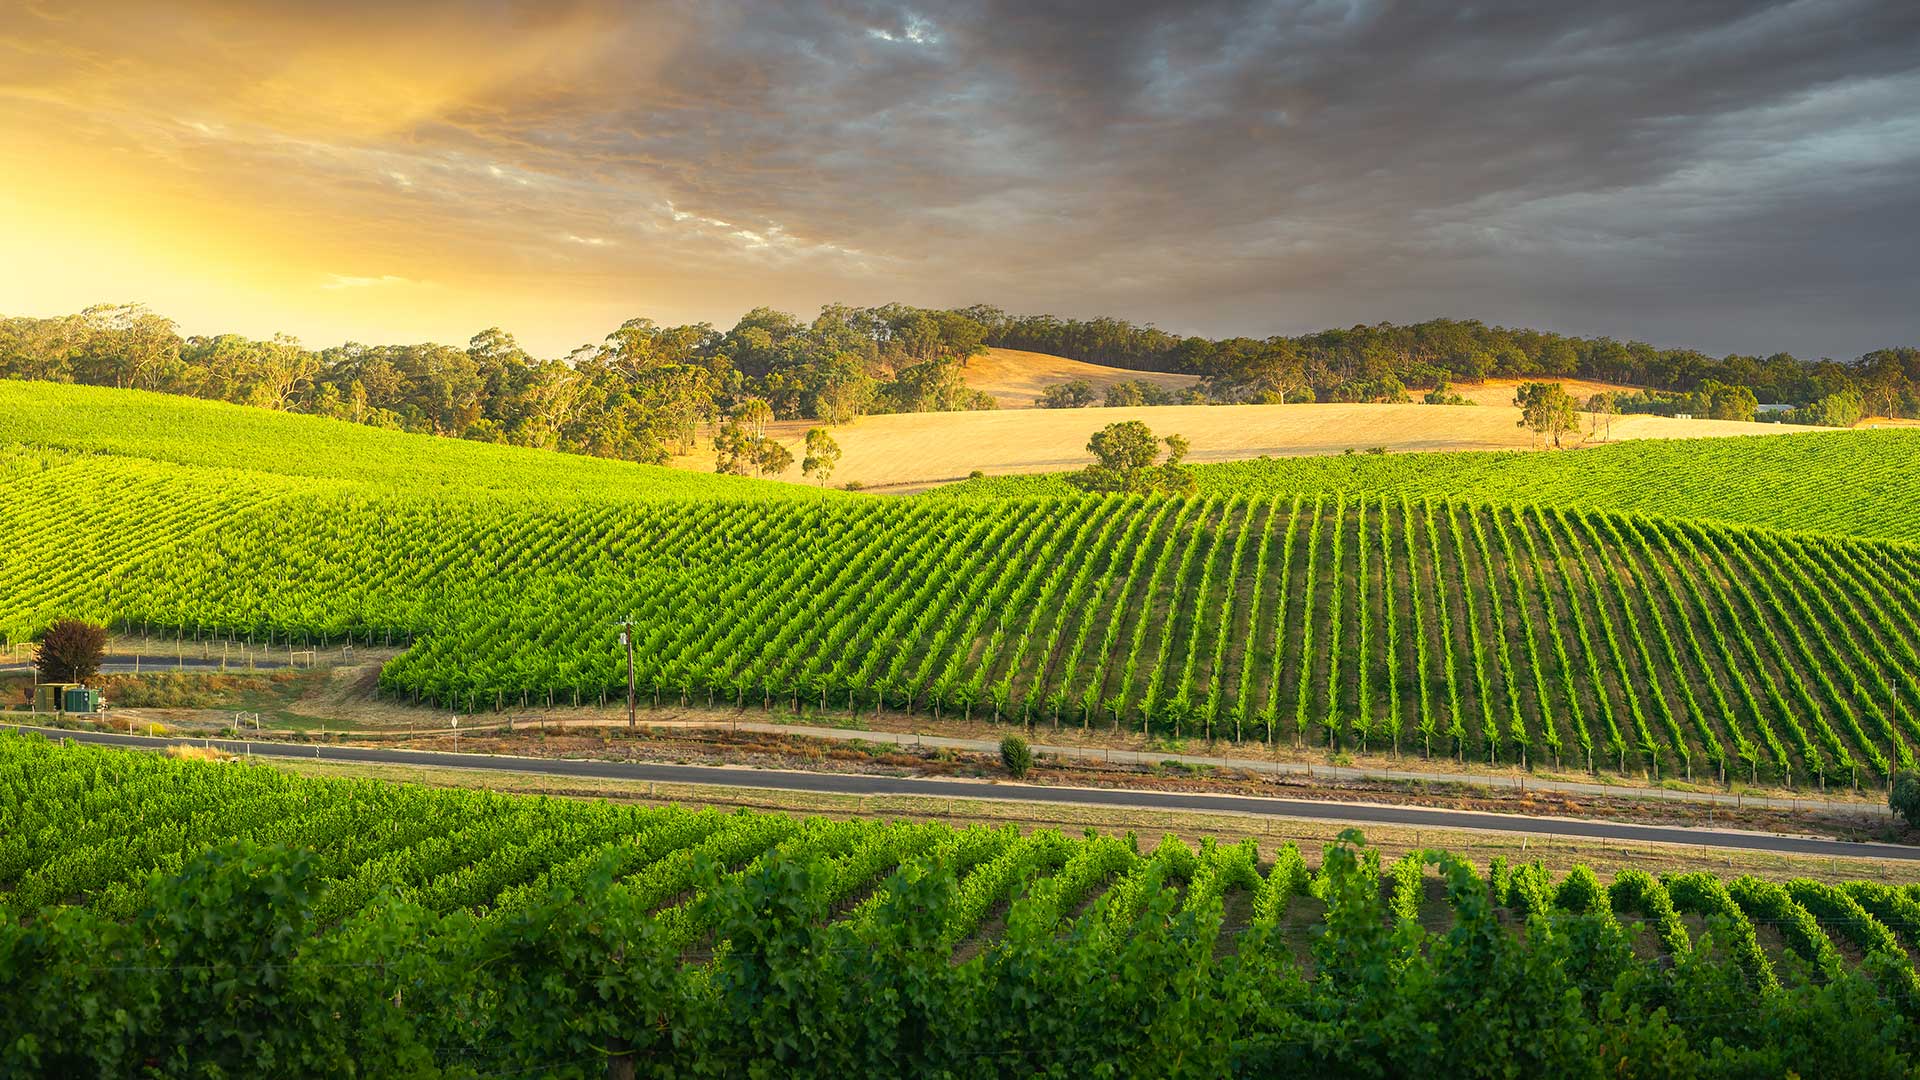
[
  {"x": 187, "y": 914},
  {"x": 1493, "y": 634},
  {"x": 1845, "y": 482},
  {"x": 1498, "y": 634},
  {"x": 251, "y": 447}
]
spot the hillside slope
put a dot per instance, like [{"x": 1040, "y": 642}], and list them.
[
  {"x": 1495, "y": 634},
  {"x": 911, "y": 451},
  {"x": 893, "y": 453},
  {"x": 1016, "y": 378},
  {"x": 1843, "y": 482},
  {"x": 187, "y": 431}
]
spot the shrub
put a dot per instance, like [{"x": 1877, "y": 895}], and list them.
[
  {"x": 1016, "y": 756},
  {"x": 193, "y": 689},
  {"x": 1903, "y": 795},
  {"x": 1074, "y": 394},
  {"x": 1125, "y": 456},
  {"x": 71, "y": 651}
]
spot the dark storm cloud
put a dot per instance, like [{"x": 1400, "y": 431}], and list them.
[
  {"x": 1737, "y": 176},
  {"x": 1734, "y": 174}
]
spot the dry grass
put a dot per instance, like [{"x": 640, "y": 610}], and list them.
[
  {"x": 1016, "y": 378},
  {"x": 1500, "y": 391},
  {"x": 916, "y": 450},
  {"x": 197, "y": 753},
  {"x": 912, "y": 451}
]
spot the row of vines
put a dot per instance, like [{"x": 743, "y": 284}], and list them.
[
  {"x": 397, "y": 929},
  {"x": 1851, "y": 483},
  {"x": 1504, "y": 635}
]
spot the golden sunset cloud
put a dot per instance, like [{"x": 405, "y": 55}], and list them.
[{"x": 387, "y": 171}]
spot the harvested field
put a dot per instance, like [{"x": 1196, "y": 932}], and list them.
[
  {"x": 1500, "y": 391},
  {"x": 910, "y": 451},
  {"x": 1016, "y": 378}
]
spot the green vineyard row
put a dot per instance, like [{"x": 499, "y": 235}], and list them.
[
  {"x": 1502, "y": 634},
  {"x": 181, "y": 915},
  {"x": 1842, "y": 482},
  {"x": 1845, "y": 482},
  {"x": 238, "y": 441}
]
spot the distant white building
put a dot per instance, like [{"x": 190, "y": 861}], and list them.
[{"x": 1765, "y": 409}]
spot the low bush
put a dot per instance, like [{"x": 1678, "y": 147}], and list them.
[{"x": 1016, "y": 755}]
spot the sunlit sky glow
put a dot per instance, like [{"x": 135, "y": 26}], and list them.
[{"x": 1732, "y": 176}]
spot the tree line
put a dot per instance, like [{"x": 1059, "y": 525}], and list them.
[
  {"x": 642, "y": 394},
  {"x": 645, "y": 391},
  {"x": 1381, "y": 362}
]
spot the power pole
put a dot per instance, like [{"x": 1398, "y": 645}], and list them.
[{"x": 626, "y": 638}]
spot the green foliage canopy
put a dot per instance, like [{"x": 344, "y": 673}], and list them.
[
  {"x": 70, "y": 651},
  {"x": 1015, "y": 756},
  {"x": 579, "y": 939},
  {"x": 1127, "y": 459},
  {"x": 1072, "y": 394},
  {"x": 1547, "y": 408}
]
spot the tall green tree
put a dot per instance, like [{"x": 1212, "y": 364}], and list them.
[
  {"x": 1601, "y": 409},
  {"x": 770, "y": 458},
  {"x": 753, "y": 415},
  {"x": 1547, "y": 408},
  {"x": 1843, "y": 408},
  {"x": 1716, "y": 400},
  {"x": 1127, "y": 458},
  {"x": 823, "y": 454}
]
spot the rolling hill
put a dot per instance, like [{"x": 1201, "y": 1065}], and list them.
[
  {"x": 1842, "y": 482},
  {"x": 1491, "y": 631},
  {"x": 169, "y": 429},
  {"x": 907, "y": 452},
  {"x": 893, "y": 453},
  {"x": 1016, "y": 378}
]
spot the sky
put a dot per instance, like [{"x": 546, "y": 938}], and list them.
[{"x": 1727, "y": 176}]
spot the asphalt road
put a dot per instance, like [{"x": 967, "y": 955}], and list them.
[
  {"x": 860, "y": 784},
  {"x": 1509, "y": 781}
]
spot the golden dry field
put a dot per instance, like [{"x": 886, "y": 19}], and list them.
[
  {"x": 1500, "y": 391},
  {"x": 910, "y": 451},
  {"x": 1015, "y": 378}
]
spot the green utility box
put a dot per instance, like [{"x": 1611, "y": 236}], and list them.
[
  {"x": 80, "y": 699},
  {"x": 65, "y": 697}
]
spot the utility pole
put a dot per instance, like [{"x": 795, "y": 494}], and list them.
[{"x": 626, "y": 638}]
